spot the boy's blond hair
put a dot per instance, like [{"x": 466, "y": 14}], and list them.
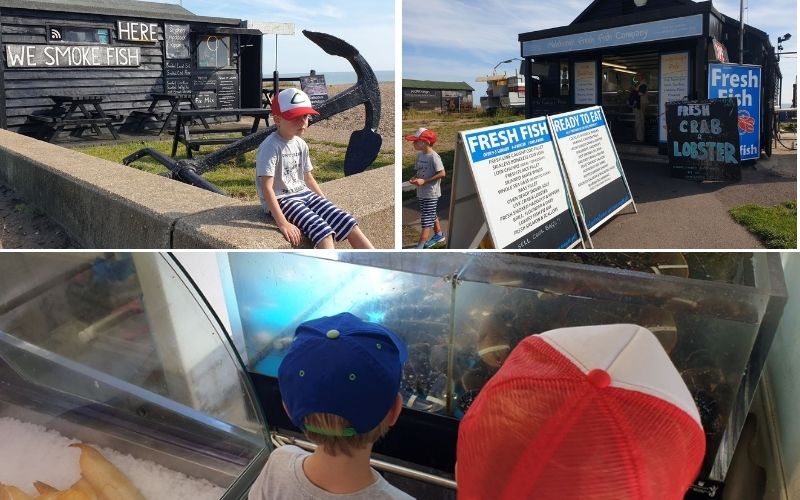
[
  {"x": 352, "y": 400},
  {"x": 334, "y": 424}
]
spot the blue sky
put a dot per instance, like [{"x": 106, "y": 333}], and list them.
[
  {"x": 459, "y": 40},
  {"x": 368, "y": 26}
]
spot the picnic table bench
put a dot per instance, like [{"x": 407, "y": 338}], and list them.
[
  {"x": 193, "y": 138},
  {"x": 74, "y": 112},
  {"x": 175, "y": 101}
]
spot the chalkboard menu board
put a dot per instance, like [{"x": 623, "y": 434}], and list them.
[
  {"x": 177, "y": 68},
  {"x": 176, "y": 41},
  {"x": 203, "y": 82},
  {"x": 227, "y": 90},
  {"x": 314, "y": 86},
  {"x": 703, "y": 139},
  {"x": 178, "y": 86},
  {"x": 206, "y": 99}
]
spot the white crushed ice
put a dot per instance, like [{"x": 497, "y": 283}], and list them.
[{"x": 30, "y": 452}]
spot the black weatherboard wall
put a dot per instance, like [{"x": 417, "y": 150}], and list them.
[{"x": 133, "y": 32}]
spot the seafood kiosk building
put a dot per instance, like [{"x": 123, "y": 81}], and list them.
[
  {"x": 124, "y": 51},
  {"x": 427, "y": 95},
  {"x": 614, "y": 46}
]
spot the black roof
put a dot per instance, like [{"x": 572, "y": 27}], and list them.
[
  {"x": 434, "y": 85},
  {"x": 120, "y": 8},
  {"x": 682, "y": 10},
  {"x": 596, "y": 8},
  {"x": 587, "y": 22}
]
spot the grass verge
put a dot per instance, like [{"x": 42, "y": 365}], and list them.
[
  {"x": 775, "y": 226},
  {"x": 237, "y": 176}
]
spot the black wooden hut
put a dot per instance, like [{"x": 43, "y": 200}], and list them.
[
  {"x": 615, "y": 45},
  {"x": 427, "y": 95},
  {"x": 123, "y": 50}
]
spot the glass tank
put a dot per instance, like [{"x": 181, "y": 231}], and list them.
[
  {"x": 120, "y": 352},
  {"x": 461, "y": 315}
]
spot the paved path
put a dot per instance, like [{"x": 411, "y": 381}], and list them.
[{"x": 674, "y": 213}]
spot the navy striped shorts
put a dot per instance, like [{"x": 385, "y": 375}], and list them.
[
  {"x": 427, "y": 211},
  {"x": 316, "y": 217}
]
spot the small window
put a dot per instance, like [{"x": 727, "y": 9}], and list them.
[
  {"x": 80, "y": 35},
  {"x": 213, "y": 51}
]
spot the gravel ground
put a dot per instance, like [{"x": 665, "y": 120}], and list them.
[
  {"x": 339, "y": 127},
  {"x": 25, "y": 226}
]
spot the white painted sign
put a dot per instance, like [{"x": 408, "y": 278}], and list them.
[
  {"x": 269, "y": 28},
  {"x": 592, "y": 165},
  {"x": 673, "y": 85},
  {"x": 131, "y": 31},
  {"x": 514, "y": 169},
  {"x": 61, "y": 56},
  {"x": 586, "y": 82}
]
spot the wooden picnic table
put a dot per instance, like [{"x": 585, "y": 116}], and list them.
[
  {"x": 77, "y": 112},
  {"x": 185, "y": 134},
  {"x": 175, "y": 101}
]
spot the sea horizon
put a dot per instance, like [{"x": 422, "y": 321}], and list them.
[{"x": 340, "y": 77}]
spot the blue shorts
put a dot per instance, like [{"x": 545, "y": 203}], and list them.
[
  {"x": 427, "y": 211},
  {"x": 316, "y": 217}
]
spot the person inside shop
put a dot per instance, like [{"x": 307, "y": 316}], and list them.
[
  {"x": 640, "y": 103},
  {"x": 287, "y": 188},
  {"x": 589, "y": 413},
  {"x": 340, "y": 383},
  {"x": 428, "y": 175}
]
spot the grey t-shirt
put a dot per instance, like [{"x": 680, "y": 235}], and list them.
[
  {"x": 285, "y": 161},
  {"x": 283, "y": 478},
  {"x": 426, "y": 166}
]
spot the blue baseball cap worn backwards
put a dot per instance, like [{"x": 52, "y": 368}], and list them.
[{"x": 343, "y": 366}]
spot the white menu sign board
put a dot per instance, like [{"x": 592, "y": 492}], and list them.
[
  {"x": 586, "y": 82},
  {"x": 592, "y": 165},
  {"x": 673, "y": 85},
  {"x": 523, "y": 193}
]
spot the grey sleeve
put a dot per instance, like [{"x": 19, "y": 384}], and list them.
[
  {"x": 438, "y": 166},
  {"x": 307, "y": 167},
  {"x": 266, "y": 160}
]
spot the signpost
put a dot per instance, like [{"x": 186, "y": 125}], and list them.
[
  {"x": 314, "y": 86},
  {"x": 522, "y": 197},
  {"x": 592, "y": 165},
  {"x": 743, "y": 82},
  {"x": 703, "y": 141}
]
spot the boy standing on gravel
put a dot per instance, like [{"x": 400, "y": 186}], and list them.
[
  {"x": 429, "y": 171},
  {"x": 287, "y": 189}
]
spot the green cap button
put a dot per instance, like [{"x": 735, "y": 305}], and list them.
[{"x": 332, "y": 334}]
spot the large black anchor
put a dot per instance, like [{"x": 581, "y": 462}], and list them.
[{"x": 361, "y": 151}]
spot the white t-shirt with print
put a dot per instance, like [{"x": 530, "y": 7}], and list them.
[{"x": 285, "y": 161}]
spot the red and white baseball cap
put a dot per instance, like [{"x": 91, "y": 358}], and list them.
[
  {"x": 589, "y": 413},
  {"x": 423, "y": 134},
  {"x": 291, "y": 103}
]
